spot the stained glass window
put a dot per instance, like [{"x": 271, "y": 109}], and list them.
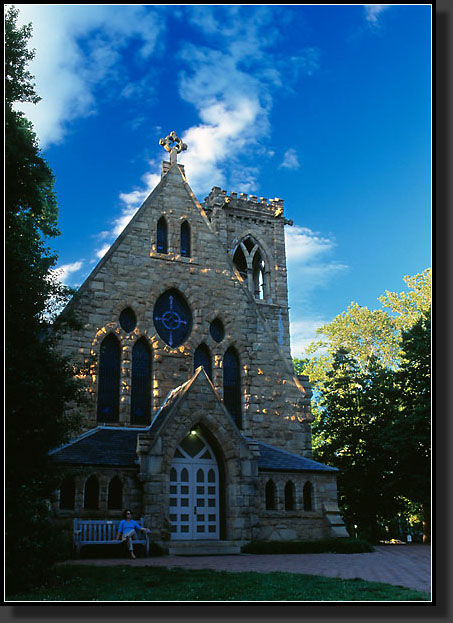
[
  {"x": 141, "y": 383},
  {"x": 185, "y": 239},
  {"x": 161, "y": 235},
  {"x": 109, "y": 380},
  {"x": 172, "y": 318},
  {"x": 232, "y": 385},
  {"x": 202, "y": 357}
]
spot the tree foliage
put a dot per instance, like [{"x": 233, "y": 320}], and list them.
[
  {"x": 39, "y": 382},
  {"x": 370, "y": 370}
]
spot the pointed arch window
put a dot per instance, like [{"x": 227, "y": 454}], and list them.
[
  {"x": 258, "y": 268},
  {"x": 67, "y": 493},
  {"x": 202, "y": 357},
  {"x": 141, "y": 383},
  {"x": 115, "y": 494},
  {"x": 289, "y": 496},
  {"x": 109, "y": 380},
  {"x": 162, "y": 235},
  {"x": 271, "y": 495},
  {"x": 232, "y": 385},
  {"x": 91, "y": 494},
  {"x": 250, "y": 261},
  {"x": 240, "y": 262},
  {"x": 308, "y": 496},
  {"x": 185, "y": 239}
]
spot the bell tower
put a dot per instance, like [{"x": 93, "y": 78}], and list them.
[{"x": 252, "y": 231}]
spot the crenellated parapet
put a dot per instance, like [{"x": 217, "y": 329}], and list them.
[{"x": 242, "y": 202}]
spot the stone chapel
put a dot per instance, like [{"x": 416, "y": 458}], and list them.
[{"x": 195, "y": 419}]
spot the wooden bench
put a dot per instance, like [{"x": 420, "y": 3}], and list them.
[{"x": 101, "y": 532}]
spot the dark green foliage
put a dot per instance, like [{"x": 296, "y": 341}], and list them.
[
  {"x": 356, "y": 410},
  {"x": 322, "y": 546},
  {"x": 141, "y": 584},
  {"x": 372, "y": 410},
  {"x": 38, "y": 381}
]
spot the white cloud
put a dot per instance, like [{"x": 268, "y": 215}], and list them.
[
  {"x": 78, "y": 49},
  {"x": 303, "y": 245},
  {"x": 303, "y": 332},
  {"x": 64, "y": 272},
  {"x": 373, "y": 12},
  {"x": 310, "y": 268},
  {"x": 290, "y": 160},
  {"x": 132, "y": 202}
]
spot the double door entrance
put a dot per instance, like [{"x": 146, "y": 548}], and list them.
[{"x": 194, "y": 491}]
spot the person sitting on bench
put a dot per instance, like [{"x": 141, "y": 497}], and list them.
[{"x": 127, "y": 531}]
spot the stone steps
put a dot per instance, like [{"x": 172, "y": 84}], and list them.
[{"x": 203, "y": 548}]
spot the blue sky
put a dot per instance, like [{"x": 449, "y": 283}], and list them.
[{"x": 325, "y": 106}]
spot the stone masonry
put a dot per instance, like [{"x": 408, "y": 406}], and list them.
[{"x": 274, "y": 402}]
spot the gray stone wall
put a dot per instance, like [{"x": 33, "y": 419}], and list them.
[
  {"x": 275, "y": 406},
  {"x": 296, "y": 523}
]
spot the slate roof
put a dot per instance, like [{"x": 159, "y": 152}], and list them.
[
  {"x": 104, "y": 445},
  {"x": 274, "y": 459},
  {"x": 114, "y": 446}
]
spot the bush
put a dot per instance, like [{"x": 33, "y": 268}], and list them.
[{"x": 335, "y": 546}]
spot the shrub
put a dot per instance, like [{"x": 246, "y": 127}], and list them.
[{"x": 335, "y": 546}]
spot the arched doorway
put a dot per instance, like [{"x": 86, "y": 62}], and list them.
[{"x": 194, "y": 491}]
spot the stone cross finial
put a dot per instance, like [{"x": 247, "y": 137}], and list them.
[{"x": 173, "y": 144}]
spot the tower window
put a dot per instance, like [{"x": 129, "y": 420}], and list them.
[
  {"x": 141, "y": 383},
  {"x": 249, "y": 261},
  {"x": 109, "y": 380},
  {"x": 185, "y": 239},
  {"x": 240, "y": 262},
  {"x": 232, "y": 385},
  {"x": 162, "y": 236}
]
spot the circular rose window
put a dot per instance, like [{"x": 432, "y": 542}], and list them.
[{"x": 172, "y": 318}]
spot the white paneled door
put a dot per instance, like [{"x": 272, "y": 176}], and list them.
[{"x": 194, "y": 491}]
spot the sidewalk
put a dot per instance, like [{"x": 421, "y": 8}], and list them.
[{"x": 403, "y": 565}]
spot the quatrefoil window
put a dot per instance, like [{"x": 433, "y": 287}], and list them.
[{"x": 172, "y": 318}]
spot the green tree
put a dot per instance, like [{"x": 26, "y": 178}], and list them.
[
  {"x": 39, "y": 382},
  {"x": 390, "y": 351},
  {"x": 356, "y": 408},
  {"x": 410, "y": 434},
  {"x": 369, "y": 333}
]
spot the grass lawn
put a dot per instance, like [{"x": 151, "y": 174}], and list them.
[{"x": 125, "y": 583}]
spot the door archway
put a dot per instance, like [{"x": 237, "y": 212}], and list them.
[{"x": 194, "y": 491}]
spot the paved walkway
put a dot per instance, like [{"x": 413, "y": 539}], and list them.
[{"x": 403, "y": 565}]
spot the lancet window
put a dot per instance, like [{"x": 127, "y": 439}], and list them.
[{"x": 250, "y": 261}]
